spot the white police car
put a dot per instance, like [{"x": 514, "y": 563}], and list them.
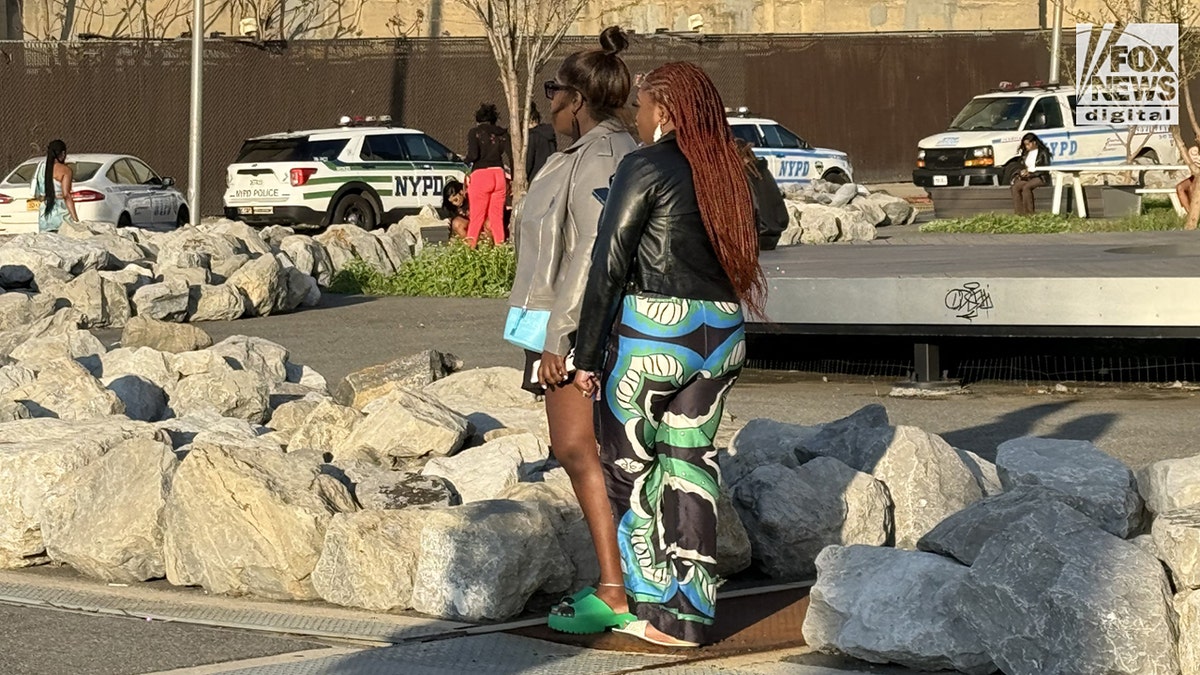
[
  {"x": 364, "y": 172},
  {"x": 790, "y": 158},
  {"x": 982, "y": 145}
]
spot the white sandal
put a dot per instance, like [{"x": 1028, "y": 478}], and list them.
[{"x": 638, "y": 630}]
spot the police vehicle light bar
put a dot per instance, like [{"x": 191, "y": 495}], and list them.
[
  {"x": 742, "y": 111},
  {"x": 368, "y": 121}
]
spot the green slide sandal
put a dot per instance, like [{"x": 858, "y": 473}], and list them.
[{"x": 586, "y": 614}]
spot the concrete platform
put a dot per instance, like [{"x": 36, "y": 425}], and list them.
[{"x": 1101, "y": 285}]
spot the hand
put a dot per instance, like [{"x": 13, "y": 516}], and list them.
[
  {"x": 552, "y": 371},
  {"x": 588, "y": 383}
]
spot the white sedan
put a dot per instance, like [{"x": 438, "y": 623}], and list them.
[{"x": 117, "y": 189}]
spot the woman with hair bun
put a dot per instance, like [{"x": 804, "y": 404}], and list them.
[
  {"x": 554, "y": 234},
  {"x": 662, "y": 336}
]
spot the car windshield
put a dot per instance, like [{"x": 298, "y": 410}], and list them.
[
  {"x": 80, "y": 172},
  {"x": 992, "y": 114}
]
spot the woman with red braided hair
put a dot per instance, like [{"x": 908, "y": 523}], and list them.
[{"x": 661, "y": 341}]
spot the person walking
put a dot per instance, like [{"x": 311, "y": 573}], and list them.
[
  {"x": 543, "y": 142},
  {"x": 487, "y": 185},
  {"x": 554, "y": 234},
  {"x": 1034, "y": 154},
  {"x": 675, "y": 261},
  {"x": 52, "y": 185}
]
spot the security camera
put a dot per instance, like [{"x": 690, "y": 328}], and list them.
[
  {"x": 695, "y": 22},
  {"x": 248, "y": 27}
]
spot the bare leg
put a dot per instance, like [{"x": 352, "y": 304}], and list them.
[
  {"x": 573, "y": 439},
  {"x": 1184, "y": 191}
]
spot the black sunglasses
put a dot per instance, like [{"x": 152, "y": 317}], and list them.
[{"x": 553, "y": 88}]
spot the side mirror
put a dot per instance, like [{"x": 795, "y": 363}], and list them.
[{"x": 167, "y": 182}]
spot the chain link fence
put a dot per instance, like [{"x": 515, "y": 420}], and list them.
[{"x": 873, "y": 95}]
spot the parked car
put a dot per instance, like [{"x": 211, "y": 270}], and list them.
[
  {"x": 119, "y": 189},
  {"x": 790, "y": 158},
  {"x": 981, "y": 145},
  {"x": 365, "y": 172}
]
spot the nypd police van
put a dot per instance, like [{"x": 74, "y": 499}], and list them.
[
  {"x": 982, "y": 144},
  {"x": 790, "y": 158},
  {"x": 364, "y": 172}
]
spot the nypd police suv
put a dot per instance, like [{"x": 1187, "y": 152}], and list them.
[
  {"x": 981, "y": 147},
  {"x": 790, "y": 158},
  {"x": 364, "y": 172}
]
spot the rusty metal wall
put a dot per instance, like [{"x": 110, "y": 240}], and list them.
[{"x": 871, "y": 95}]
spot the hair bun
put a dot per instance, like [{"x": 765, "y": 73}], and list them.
[{"x": 613, "y": 41}]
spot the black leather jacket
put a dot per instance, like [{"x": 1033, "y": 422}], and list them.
[{"x": 651, "y": 239}]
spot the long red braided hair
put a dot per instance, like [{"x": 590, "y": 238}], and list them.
[{"x": 718, "y": 171}]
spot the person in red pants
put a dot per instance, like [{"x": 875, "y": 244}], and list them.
[{"x": 487, "y": 187}]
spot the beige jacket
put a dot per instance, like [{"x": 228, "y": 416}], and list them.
[{"x": 556, "y": 228}]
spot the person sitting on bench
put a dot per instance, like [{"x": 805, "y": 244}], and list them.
[{"x": 1035, "y": 154}]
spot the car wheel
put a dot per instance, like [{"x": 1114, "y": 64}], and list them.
[
  {"x": 124, "y": 221},
  {"x": 836, "y": 177},
  {"x": 182, "y": 218},
  {"x": 355, "y": 210}
]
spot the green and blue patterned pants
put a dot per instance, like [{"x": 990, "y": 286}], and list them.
[{"x": 671, "y": 363}]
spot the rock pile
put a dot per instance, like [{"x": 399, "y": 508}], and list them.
[
  {"x": 1055, "y": 559},
  {"x": 824, "y": 212},
  {"x": 220, "y": 271}
]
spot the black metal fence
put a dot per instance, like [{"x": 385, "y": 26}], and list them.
[{"x": 872, "y": 95}]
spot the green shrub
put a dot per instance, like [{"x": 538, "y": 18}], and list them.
[
  {"x": 451, "y": 270},
  {"x": 1154, "y": 217}
]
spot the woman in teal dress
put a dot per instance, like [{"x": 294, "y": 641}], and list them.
[{"x": 52, "y": 185}]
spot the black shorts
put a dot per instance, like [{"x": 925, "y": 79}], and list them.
[{"x": 533, "y": 360}]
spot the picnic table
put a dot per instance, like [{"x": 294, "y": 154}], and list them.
[{"x": 1073, "y": 175}]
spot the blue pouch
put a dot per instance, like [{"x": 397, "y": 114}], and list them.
[{"x": 526, "y": 328}]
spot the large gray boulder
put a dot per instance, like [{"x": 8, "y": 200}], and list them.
[
  {"x": 483, "y": 473},
  {"x": 248, "y": 238},
  {"x": 367, "y": 559},
  {"x": 391, "y": 490},
  {"x": 268, "y": 360},
  {"x": 857, "y": 440},
  {"x": 163, "y": 336},
  {"x": 104, "y": 519},
  {"x": 1170, "y": 484},
  {"x": 189, "y": 247},
  {"x": 224, "y": 391},
  {"x": 309, "y": 257},
  {"x": 1177, "y": 541},
  {"x": 886, "y": 605},
  {"x": 790, "y": 515},
  {"x": 222, "y": 302},
  {"x": 262, "y": 282},
  {"x": 927, "y": 481},
  {"x": 241, "y": 518},
  {"x": 34, "y": 455},
  {"x": 762, "y": 442},
  {"x": 1054, "y": 593},
  {"x": 492, "y": 399},
  {"x": 66, "y": 390},
  {"x": 1077, "y": 468},
  {"x": 77, "y": 344},
  {"x": 483, "y": 561},
  {"x": 101, "y": 301},
  {"x": 142, "y": 399},
  {"x": 405, "y": 425},
  {"x": 734, "y": 550},
  {"x": 65, "y": 320},
  {"x": 415, "y": 371},
  {"x": 299, "y": 289},
  {"x": 326, "y": 428},
  {"x": 290, "y": 416},
  {"x": 19, "y": 309},
  {"x": 348, "y": 242},
  {"x": 1187, "y": 605},
  {"x": 897, "y": 210},
  {"x": 164, "y": 301},
  {"x": 144, "y": 362},
  {"x": 24, "y": 254},
  {"x": 962, "y": 535}
]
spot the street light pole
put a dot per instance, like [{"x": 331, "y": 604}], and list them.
[
  {"x": 194, "y": 134},
  {"x": 1056, "y": 41}
]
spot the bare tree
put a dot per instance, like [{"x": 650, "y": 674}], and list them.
[
  {"x": 523, "y": 35},
  {"x": 1185, "y": 14}
]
